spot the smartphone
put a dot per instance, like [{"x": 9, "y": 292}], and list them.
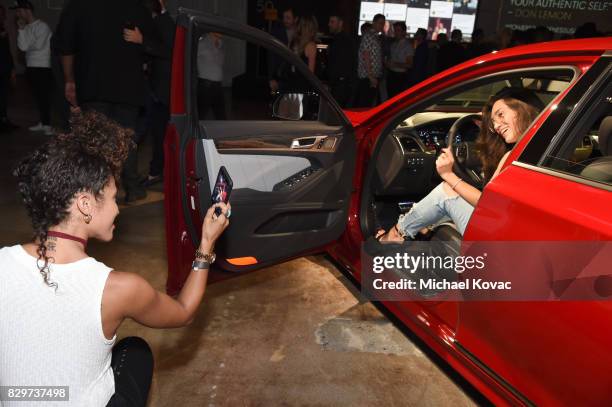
[
  {"x": 222, "y": 189},
  {"x": 129, "y": 25}
]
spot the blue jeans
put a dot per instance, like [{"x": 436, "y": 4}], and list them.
[{"x": 433, "y": 209}]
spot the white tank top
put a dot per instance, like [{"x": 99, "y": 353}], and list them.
[{"x": 54, "y": 338}]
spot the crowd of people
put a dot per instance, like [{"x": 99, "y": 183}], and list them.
[
  {"x": 385, "y": 60},
  {"x": 125, "y": 77}
]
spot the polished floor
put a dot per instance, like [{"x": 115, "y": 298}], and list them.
[{"x": 296, "y": 334}]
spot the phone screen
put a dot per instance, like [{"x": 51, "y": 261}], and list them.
[{"x": 223, "y": 187}]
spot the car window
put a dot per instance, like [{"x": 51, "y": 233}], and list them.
[
  {"x": 239, "y": 80},
  {"x": 545, "y": 85},
  {"x": 586, "y": 150}
]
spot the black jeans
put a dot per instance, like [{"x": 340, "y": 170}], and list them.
[
  {"x": 126, "y": 116},
  {"x": 366, "y": 95},
  {"x": 160, "y": 114},
  {"x": 41, "y": 82},
  {"x": 210, "y": 96},
  {"x": 397, "y": 82},
  {"x": 343, "y": 90},
  {"x": 5, "y": 79},
  {"x": 132, "y": 365}
]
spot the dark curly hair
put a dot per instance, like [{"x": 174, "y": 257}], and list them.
[
  {"x": 83, "y": 160},
  {"x": 490, "y": 145}
]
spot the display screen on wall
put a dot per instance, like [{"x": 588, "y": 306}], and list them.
[
  {"x": 435, "y": 16},
  {"x": 561, "y": 17}
]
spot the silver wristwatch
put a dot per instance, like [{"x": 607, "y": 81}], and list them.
[{"x": 200, "y": 265}]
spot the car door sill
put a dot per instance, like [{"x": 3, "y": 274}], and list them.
[{"x": 511, "y": 389}]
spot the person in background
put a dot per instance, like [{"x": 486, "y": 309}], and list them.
[
  {"x": 452, "y": 53},
  {"x": 104, "y": 72},
  {"x": 33, "y": 38},
  {"x": 505, "y": 38},
  {"x": 284, "y": 33},
  {"x": 370, "y": 64},
  {"x": 211, "y": 59},
  {"x": 160, "y": 66},
  {"x": 421, "y": 57},
  {"x": 61, "y": 308},
  {"x": 478, "y": 46},
  {"x": 7, "y": 73},
  {"x": 342, "y": 59},
  {"x": 304, "y": 43},
  {"x": 400, "y": 61}
]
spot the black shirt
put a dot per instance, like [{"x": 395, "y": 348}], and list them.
[
  {"x": 6, "y": 58},
  {"x": 107, "y": 68},
  {"x": 161, "y": 53},
  {"x": 342, "y": 57}
]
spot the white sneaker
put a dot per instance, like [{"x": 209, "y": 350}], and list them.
[
  {"x": 48, "y": 130},
  {"x": 38, "y": 127}
]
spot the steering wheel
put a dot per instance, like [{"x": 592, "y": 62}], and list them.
[{"x": 467, "y": 163}]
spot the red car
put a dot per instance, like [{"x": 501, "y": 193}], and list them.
[{"x": 323, "y": 183}]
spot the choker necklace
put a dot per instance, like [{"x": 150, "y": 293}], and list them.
[{"x": 67, "y": 236}]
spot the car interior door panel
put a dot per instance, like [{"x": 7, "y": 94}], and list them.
[{"x": 292, "y": 171}]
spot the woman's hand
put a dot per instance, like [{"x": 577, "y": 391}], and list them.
[
  {"x": 214, "y": 225},
  {"x": 444, "y": 163}
]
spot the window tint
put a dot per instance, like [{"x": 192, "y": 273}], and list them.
[{"x": 586, "y": 151}]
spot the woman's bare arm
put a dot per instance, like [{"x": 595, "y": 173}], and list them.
[
  {"x": 128, "y": 295},
  {"x": 311, "y": 54}
]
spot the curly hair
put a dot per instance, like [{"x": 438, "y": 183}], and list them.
[
  {"x": 83, "y": 160},
  {"x": 490, "y": 145}
]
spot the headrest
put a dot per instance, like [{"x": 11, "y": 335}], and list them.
[{"x": 605, "y": 136}]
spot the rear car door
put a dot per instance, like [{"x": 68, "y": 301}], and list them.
[
  {"x": 559, "y": 188},
  {"x": 291, "y": 178}
]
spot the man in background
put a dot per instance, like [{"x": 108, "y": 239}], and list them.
[
  {"x": 7, "y": 73},
  {"x": 33, "y": 38},
  {"x": 400, "y": 60},
  {"x": 159, "y": 53},
  {"x": 342, "y": 59},
  {"x": 102, "y": 70},
  {"x": 284, "y": 33},
  {"x": 370, "y": 64},
  {"x": 421, "y": 57},
  {"x": 451, "y": 53}
]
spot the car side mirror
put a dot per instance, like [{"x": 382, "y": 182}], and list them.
[{"x": 288, "y": 106}]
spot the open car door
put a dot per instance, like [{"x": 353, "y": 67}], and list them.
[{"x": 291, "y": 178}]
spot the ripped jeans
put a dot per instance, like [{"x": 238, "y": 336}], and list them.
[{"x": 435, "y": 208}]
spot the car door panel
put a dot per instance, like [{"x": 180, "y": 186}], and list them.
[{"x": 292, "y": 179}]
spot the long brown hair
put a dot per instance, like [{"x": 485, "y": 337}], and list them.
[
  {"x": 305, "y": 33},
  {"x": 491, "y": 145}
]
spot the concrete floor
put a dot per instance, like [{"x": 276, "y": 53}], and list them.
[{"x": 296, "y": 334}]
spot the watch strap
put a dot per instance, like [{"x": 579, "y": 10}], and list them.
[{"x": 200, "y": 265}]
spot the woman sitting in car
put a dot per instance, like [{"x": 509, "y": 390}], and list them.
[{"x": 505, "y": 118}]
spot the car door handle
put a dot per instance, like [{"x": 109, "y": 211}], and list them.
[{"x": 307, "y": 142}]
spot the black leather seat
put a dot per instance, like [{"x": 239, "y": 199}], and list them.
[{"x": 601, "y": 168}]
